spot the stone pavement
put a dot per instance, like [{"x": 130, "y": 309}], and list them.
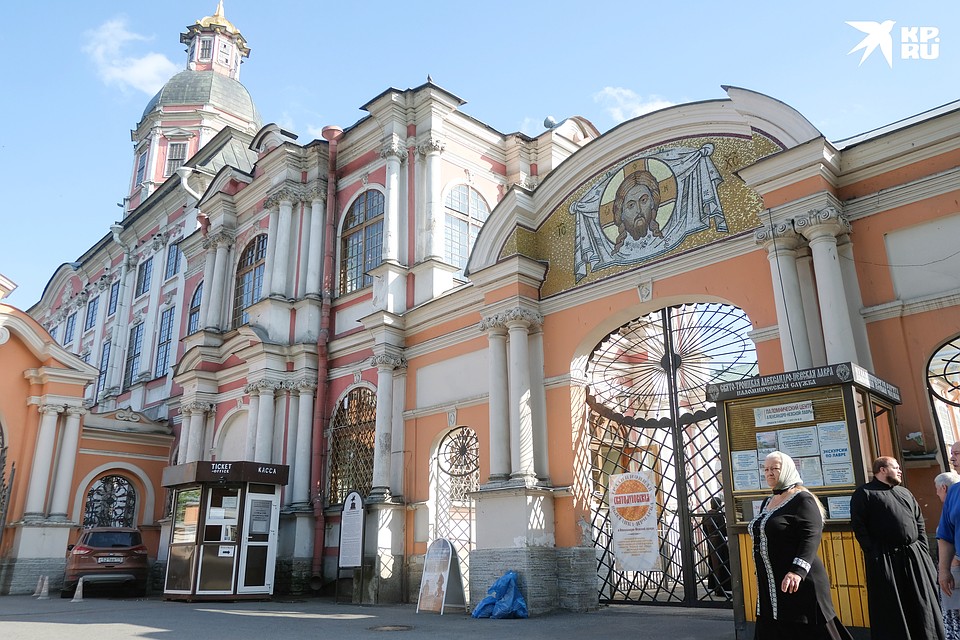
[{"x": 102, "y": 617}]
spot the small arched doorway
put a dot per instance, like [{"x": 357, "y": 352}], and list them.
[{"x": 648, "y": 413}]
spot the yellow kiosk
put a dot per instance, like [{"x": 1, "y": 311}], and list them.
[{"x": 833, "y": 421}]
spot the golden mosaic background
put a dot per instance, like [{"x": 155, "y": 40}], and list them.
[{"x": 553, "y": 242}]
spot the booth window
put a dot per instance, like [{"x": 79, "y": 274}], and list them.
[
  {"x": 111, "y": 502},
  {"x": 351, "y": 445}
]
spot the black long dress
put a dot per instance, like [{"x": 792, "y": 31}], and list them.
[
  {"x": 901, "y": 577},
  {"x": 785, "y": 539}
]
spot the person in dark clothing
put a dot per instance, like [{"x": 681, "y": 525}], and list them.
[
  {"x": 718, "y": 553},
  {"x": 792, "y": 585},
  {"x": 901, "y": 577}
]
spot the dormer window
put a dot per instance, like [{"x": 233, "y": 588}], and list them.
[
  {"x": 206, "y": 49},
  {"x": 176, "y": 154},
  {"x": 141, "y": 169}
]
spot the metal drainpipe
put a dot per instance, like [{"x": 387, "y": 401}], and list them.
[{"x": 332, "y": 135}]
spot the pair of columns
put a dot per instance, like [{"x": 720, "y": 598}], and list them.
[
  {"x": 283, "y": 242},
  {"x": 261, "y": 429},
  {"x": 821, "y": 230},
  {"x": 216, "y": 268},
  {"x": 193, "y": 426},
  {"x": 61, "y": 477},
  {"x": 518, "y": 422}
]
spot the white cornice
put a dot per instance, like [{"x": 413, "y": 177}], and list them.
[
  {"x": 816, "y": 158},
  {"x": 901, "y": 195},
  {"x": 901, "y": 308}
]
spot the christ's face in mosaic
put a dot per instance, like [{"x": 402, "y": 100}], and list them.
[{"x": 639, "y": 208}]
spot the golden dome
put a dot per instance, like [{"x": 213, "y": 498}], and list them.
[{"x": 217, "y": 19}]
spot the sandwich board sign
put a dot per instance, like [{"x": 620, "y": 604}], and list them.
[{"x": 441, "y": 584}]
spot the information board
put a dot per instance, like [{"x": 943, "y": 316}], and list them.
[{"x": 351, "y": 532}]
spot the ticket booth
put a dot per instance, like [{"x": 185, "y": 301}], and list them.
[
  {"x": 833, "y": 421},
  {"x": 223, "y": 538}
]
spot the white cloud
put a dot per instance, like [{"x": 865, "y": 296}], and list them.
[
  {"x": 622, "y": 104},
  {"x": 106, "y": 46}
]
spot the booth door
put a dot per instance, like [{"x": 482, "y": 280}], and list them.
[{"x": 258, "y": 550}]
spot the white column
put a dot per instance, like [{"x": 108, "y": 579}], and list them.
[
  {"x": 434, "y": 202},
  {"x": 394, "y": 154},
  {"x": 811, "y": 308},
  {"x": 851, "y": 287},
  {"x": 184, "y": 434},
  {"x": 521, "y": 417},
  {"x": 198, "y": 414},
  {"x": 538, "y": 404},
  {"x": 315, "y": 251},
  {"x": 264, "y": 445},
  {"x": 301, "y": 455},
  {"x": 781, "y": 243},
  {"x": 270, "y": 258},
  {"x": 821, "y": 230},
  {"x": 253, "y": 409},
  {"x": 499, "y": 399},
  {"x": 33, "y": 508},
  {"x": 209, "y": 261},
  {"x": 63, "y": 478},
  {"x": 383, "y": 446},
  {"x": 215, "y": 316},
  {"x": 121, "y": 326},
  {"x": 281, "y": 257}
]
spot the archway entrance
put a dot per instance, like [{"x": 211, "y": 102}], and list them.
[{"x": 648, "y": 413}]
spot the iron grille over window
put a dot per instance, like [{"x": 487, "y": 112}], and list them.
[
  {"x": 351, "y": 445},
  {"x": 249, "y": 279},
  {"x": 111, "y": 502},
  {"x": 362, "y": 247}
]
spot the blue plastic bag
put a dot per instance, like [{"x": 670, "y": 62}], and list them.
[{"x": 503, "y": 600}]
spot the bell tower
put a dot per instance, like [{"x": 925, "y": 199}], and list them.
[{"x": 214, "y": 44}]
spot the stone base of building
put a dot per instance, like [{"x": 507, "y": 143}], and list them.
[
  {"x": 20, "y": 576},
  {"x": 550, "y": 578},
  {"x": 293, "y": 576}
]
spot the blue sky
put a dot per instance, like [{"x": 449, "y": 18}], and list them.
[{"x": 77, "y": 75}]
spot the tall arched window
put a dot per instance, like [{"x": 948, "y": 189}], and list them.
[
  {"x": 362, "y": 245},
  {"x": 249, "y": 279},
  {"x": 111, "y": 502},
  {"x": 466, "y": 212},
  {"x": 193, "y": 320}
]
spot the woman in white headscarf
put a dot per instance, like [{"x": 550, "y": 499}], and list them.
[{"x": 793, "y": 589}]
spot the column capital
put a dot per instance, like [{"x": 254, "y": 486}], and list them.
[
  {"x": 387, "y": 362},
  {"x": 303, "y": 384},
  {"x": 431, "y": 145},
  {"x": 263, "y": 385},
  {"x": 286, "y": 194},
  {"x": 819, "y": 223},
  {"x": 50, "y": 409},
  {"x": 393, "y": 150},
  {"x": 222, "y": 238},
  {"x": 77, "y": 411},
  {"x": 197, "y": 406},
  {"x": 315, "y": 193},
  {"x": 779, "y": 235}
]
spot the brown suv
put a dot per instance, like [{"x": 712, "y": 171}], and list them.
[{"x": 107, "y": 555}]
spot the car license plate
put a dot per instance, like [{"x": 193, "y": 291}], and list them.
[{"x": 109, "y": 560}]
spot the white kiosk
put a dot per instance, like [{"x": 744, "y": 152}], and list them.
[{"x": 223, "y": 540}]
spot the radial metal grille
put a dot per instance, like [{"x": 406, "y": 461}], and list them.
[
  {"x": 457, "y": 473},
  {"x": 352, "y": 434},
  {"x": 649, "y": 412},
  {"x": 943, "y": 373},
  {"x": 111, "y": 502},
  {"x": 6, "y": 485}
]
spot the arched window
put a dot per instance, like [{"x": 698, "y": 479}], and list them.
[
  {"x": 193, "y": 320},
  {"x": 362, "y": 244},
  {"x": 111, "y": 502},
  {"x": 249, "y": 279},
  {"x": 351, "y": 445},
  {"x": 466, "y": 212}
]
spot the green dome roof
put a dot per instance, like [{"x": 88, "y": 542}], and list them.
[{"x": 206, "y": 87}]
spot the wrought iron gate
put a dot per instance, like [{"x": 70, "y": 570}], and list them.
[
  {"x": 648, "y": 412},
  {"x": 457, "y": 473}
]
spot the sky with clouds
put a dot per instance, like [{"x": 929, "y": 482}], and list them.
[{"x": 78, "y": 75}]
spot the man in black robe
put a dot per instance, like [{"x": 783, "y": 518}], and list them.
[{"x": 901, "y": 578}]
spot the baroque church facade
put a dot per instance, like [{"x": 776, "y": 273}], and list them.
[{"x": 474, "y": 330}]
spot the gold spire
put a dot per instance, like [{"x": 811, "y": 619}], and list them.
[{"x": 218, "y": 19}]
